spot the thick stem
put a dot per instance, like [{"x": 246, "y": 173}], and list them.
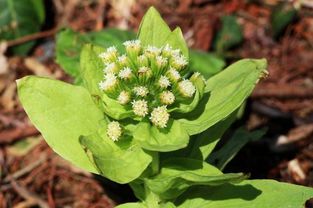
[{"x": 155, "y": 165}]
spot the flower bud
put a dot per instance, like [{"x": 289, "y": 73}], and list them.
[
  {"x": 167, "y": 97},
  {"x": 133, "y": 48},
  {"x": 164, "y": 82},
  {"x": 173, "y": 75},
  {"x": 109, "y": 83},
  {"x": 125, "y": 73},
  {"x": 110, "y": 68},
  {"x": 114, "y": 130},
  {"x": 124, "y": 97},
  {"x": 141, "y": 91},
  {"x": 110, "y": 55},
  {"x": 186, "y": 88},
  {"x": 159, "y": 116},
  {"x": 140, "y": 107}
]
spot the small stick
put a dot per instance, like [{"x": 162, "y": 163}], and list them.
[
  {"x": 25, "y": 170},
  {"x": 27, "y": 195},
  {"x": 9, "y": 136},
  {"x": 31, "y": 37}
]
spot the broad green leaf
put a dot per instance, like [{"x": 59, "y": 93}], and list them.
[
  {"x": 177, "y": 174},
  {"x": 230, "y": 34},
  {"x": 176, "y": 41},
  {"x": 207, "y": 64},
  {"x": 138, "y": 188},
  {"x": 114, "y": 109},
  {"x": 205, "y": 142},
  {"x": 131, "y": 205},
  {"x": 153, "y": 30},
  {"x": 70, "y": 43},
  {"x": 171, "y": 138},
  {"x": 225, "y": 92},
  {"x": 122, "y": 161},
  {"x": 224, "y": 155},
  {"x": 91, "y": 68},
  {"x": 19, "y": 18},
  {"x": 61, "y": 112},
  {"x": 247, "y": 194}
]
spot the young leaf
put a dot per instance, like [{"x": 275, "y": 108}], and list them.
[
  {"x": 62, "y": 113},
  {"x": 153, "y": 30},
  {"x": 247, "y": 194},
  {"x": 176, "y": 41},
  {"x": 20, "y": 18},
  {"x": 206, "y": 63},
  {"x": 224, "y": 155},
  {"x": 177, "y": 174},
  {"x": 171, "y": 138},
  {"x": 112, "y": 160},
  {"x": 226, "y": 91}
]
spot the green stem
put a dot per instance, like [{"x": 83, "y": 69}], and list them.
[
  {"x": 152, "y": 200},
  {"x": 155, "y": 164}
]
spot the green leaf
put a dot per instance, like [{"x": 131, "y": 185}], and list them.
[
  {"x": 247, "y": 194},
  {"x": 153, "y": 30},
  {"x": 91, "y": 68},
  {"x": 171, "y": 138},
  {"x": 225, "y": 92},
  {"x": 131, "y": 205},
  {"x": 230, "y": 34},
  {"x": 177, "y": 174},
  {"x": 205, "y": 142},
  {"x": 224, "y": 155},
  {"x": 122, "y": 161},
  {"x": 70, "y": 43},
  {"x": 177, "y": 41},
  {"x": 207, "y": 64},
  {"x": 20, "y": 18},
  {"x": 61, "y": 112}
]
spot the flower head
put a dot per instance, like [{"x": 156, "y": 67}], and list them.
[
  {"x": 141, "y": 91},
  {"x": 151, "y": 76},
  {"x": 125, "y": 73},
  {"x": 124, "y": 97},
  {"x": 186, "y": 88},
  {"x": 140, "y": 107},
  {"x": 159, "y": 116},
  {"x": 114, "y": 130},
  {"x": 164, "y": 82},
  {"x": 167, "y": 98}
]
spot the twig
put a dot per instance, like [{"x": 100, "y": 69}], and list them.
[
  {"x": 25, "y": 170},
  {"x": 282, "y": 91},
  {"x": 9, "y": 136},
  {"x": 27, "y": 195},
  {"x": 31, "y": 37}
]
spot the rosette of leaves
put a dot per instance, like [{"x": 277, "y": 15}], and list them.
[{"x": 143, "y": 117}]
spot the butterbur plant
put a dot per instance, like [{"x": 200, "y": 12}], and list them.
[{"x": 142, "y": 117}]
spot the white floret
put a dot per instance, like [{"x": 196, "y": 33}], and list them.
[
  {"x": 186, "y": 88},
  {"x": 141, "y": 91},
  {"x": 159, "y": 116},
  {"x": 125, "y": 73},
  {"x": 173, "y": 74},
  {"x": 167, "y": 98},
  {"x": 114, "y": 130},
  {"x": 124, "y": 97},
  {"x": 164, "y": 82},
  {"x": 110, "y": 68},
  {"x": 110, "y": 80},
  {"x": 140, "y": 107},
  {"x": 161, "y": 61}
]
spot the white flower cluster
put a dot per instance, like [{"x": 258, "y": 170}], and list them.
[
  {"x": 114, "y": 130},
  {"x": 147, "y": 79}
]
